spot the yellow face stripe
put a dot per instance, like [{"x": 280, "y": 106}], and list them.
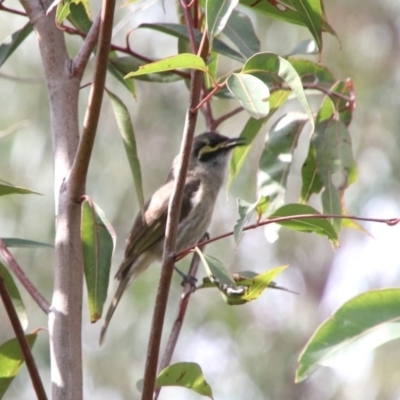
[{"x": 211, "y": 149}]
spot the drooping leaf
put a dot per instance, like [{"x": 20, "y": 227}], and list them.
[
  {"x": 311, "y": 13},
  {"x": 251, "y": 92},
  {"x": 185, "y": 374},
  {"x": 180, "y": 31},
  {"x": 8, "y": 188},
  {"x": 276, "y": 68},
  {"x": 216, "y": 270},
  {"x": 240, "y": 31},
  {"x": 335, "y": 163},
  {"x": 15, "y": 242},
  {"x": 290, "y": 11},
  {"x": 318, "y": 225},
  {"x": 276, "y": 158},
  {"x": 359, "y": 325},
  {"x": 249, "y": 133},
  {"x": 246, "y": 212},
  {"x": 117, "y": 70},
  {"x": 217, "y": 15},
  {"x": 11, "y": 43},
  {"x": 11, "y": 361},
  {"x": 128, "y": 137},
  {"x": 185, "y": 60},
  {"x": 311, "y": 180},
  {"x": 15, "y": 296},
  {"x": 98, "y": 242}
]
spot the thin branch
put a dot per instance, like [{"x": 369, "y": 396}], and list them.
[
  {"x": 82, "y": 58},
  {"x": 82, "y": 159},
  {"x": 26, "y": 283},
  {"x": 12, "y": 10},
  {"x": 171, "y": 232},
  {"x": 226, "y": 116},
  {"x": 209, "y": 95},
  {"x": 19, "y": 333},
  {"x": 126, "y": 50},
  {"x": 182, "y": 307},
  {"x": 387, "y": 221},
  {"x": 189, "y": 25}
]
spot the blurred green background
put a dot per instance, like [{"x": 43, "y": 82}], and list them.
[{"x": 247, "y": 352}]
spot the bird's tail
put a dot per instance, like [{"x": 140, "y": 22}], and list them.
[{"x": 117, "y": 297}]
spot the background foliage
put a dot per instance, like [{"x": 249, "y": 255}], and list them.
[{"x": 250, "y": 351}]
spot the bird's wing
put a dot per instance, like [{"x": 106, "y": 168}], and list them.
[{"x": 149, "y": 230}]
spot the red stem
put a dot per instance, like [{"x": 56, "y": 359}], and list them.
[{"x": 388, "y": 221}]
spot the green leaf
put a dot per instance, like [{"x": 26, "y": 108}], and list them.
[
  {"x": 335, "y": 163},
  {"x": 317, "y": 225},
  {"x": 251, "y": 92},
  {"x": 185, "y": 374},
  {"x": 311, "y": 72},
  {"x": 217, "y": 15},
  {"x": 124, "y": 65},
  {"x": 294, "y": 12},
  {"x": 11, "y": 361},
  {"x": 11, "y": 43},
  {"x": 180, "y": 31},
  {"x": 80, "y": 17},
  {"x": 311, "y": 180},
  {"x": 246, "y": 211},
  {"x": 8, "y": 188},
  {"x": 117, "y": 71},
  {"x": 98, "y": 242},
  {"x": 359, "y": 325},
  {"x": 128, "y": 137},
  {"x": 15, "y": 296},
  {"x": 15, "y": 242},
  {"x": 311, "y": 13},
  {"x": 254, "y": 287},
  {"x": 184, "y": 60},
  {"x": 63, "y": 10},
  {"x": 239, "y": 154},
  {"x": 249, "y": 133},
  {"x": 240, "y": 31},
  {"x": 277, "y": 156},
  {"x": 216, "y": 270},
  {"x": 276, "y": 67}
]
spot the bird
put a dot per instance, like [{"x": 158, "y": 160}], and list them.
[{"x": 205, "y": 176}]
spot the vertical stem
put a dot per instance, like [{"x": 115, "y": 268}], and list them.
[
  {"x": 25, "y": 349},
  {"x": 171, "y": 232}
]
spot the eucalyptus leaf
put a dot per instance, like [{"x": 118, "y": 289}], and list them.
[
  {"x": 98, "y": 242},
  {"x": 359, "y": 325}
]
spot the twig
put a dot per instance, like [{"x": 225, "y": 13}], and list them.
[
  {"x": 171, "y": 232},
  {"x": 82, "y": 58},
  {"x": 82, "y": 159},
  {"x": 19, "y": 333},
  {"x": 189, "y": 25},
  {"x": 11, "y": 10},
  {"x": 127, "y": 50},
  {"x": 388, "y": 221},
  {"x": 26, "y": 283},
  {"x": 182, "y": 307},
  {"x": 226, "y": 116}
]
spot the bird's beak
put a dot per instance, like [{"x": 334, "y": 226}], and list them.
[{"x": 234, "y": 142}]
